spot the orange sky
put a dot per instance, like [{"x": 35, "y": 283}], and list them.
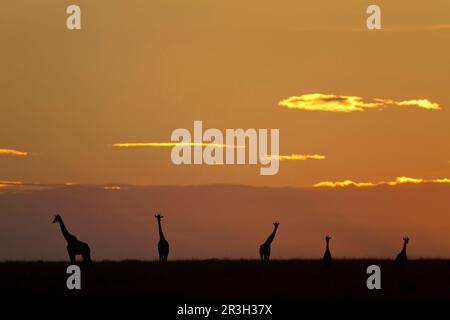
[{"x": 138, "y": 70}]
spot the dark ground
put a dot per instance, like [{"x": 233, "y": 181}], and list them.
[{"x": 222, "y": 280}]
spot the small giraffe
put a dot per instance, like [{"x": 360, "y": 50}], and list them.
[
  {"x": 74, "y": 246},
  {"x": 402, "y": 257},
  {"x": 163, "y": 245},
  {"x": 327, "y": 255},
  {"x": 264, "y": 249}
]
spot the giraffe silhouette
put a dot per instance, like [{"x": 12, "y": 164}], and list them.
[
  {"x": 327, "y": 255},
  {"x": 402, "y": 257},
  {"x": 163, "y": 245},
  {"x": 74, "y": 246},
  {"x": 264, "y": 249}
]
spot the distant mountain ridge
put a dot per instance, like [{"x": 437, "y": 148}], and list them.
[{"x": 225, "y": 221}]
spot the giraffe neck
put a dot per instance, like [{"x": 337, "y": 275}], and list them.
[
  {"x": 272, "y": 236},
  {"x": 328, "y": 245},
  {"x": 64, "y": 231},
  {"x": 404, "y": 246},
  {"x": 161, "y": 234}
]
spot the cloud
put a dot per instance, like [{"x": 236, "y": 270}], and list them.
[
  {"x": 421, "y": 103},
  {"x": 443, "y": 180},
  {"x": 344, "y": 183},
  {"x": 397, "y": 181},
  {"x": 337, "y": 103},
  {"x": 19, "y": 185},
  {"x": 171, "y": 144},
  {"x": 402, "y": 180},
  {"x": 12, "y": 152},
  {"x": 115, "y": 188},
  {"x": 5, "y": 183},
  {"x": 296, "y": 157}
]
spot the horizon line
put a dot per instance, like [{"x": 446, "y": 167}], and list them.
[{"x": 112, "y": 186}]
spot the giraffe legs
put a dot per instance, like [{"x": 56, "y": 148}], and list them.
[
  {"x": 163, "y": 257},
  {"x": 264, "y": 253},
  {"x": 72, "y": 258},
  {"x": 163, "y": 250},
  {"x": 87, "y": 258},
  {"x": 267, "y": 255}
]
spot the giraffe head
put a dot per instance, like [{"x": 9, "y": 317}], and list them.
[
  {"x": 159, "y": 217},
  {"x": 57, "y": 218},
  {"x": 406, "y": 240},
  {"x": 276, "y": 224},
  {"x": 327, "y": 238}
]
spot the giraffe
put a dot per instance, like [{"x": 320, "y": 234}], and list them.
[
  {"x": 402, "y": 258},
  {"x": 74, "y": 246},
  {"x": 163, "y": 245},
  {"x": 264, "y": 249},
  {"x": 327, "y": 255}
]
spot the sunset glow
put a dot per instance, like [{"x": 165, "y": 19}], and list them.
[
  {"x": 297, "y": 157},
  {"x": 336, "y": 103},
  {"x": 171, "y": 144},
  {"x": 9, "y": 183},
  {"x": 13, "y": 152},
  {"x": 397, "y": 181},
  {"x": 225, "y": 116}
]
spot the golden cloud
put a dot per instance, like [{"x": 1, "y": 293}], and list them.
[
  {"x": 421, "y": 103},
  {"x": 5, "y": 183},
  {"x": 344, "y": 183},
  {"x": 402, "y": 180},
  {"x": 115, "y": 188},
  {"x": 172, "y": 144},
  {"x": 335, "y": 103},
  {"x": 296, "y": 157},
  {"x": 397, "y": 181},
  {"x": 13, "y": 152}
]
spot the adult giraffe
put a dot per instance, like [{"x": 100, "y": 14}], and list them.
[
  {"x": 74, "y": 246},
  {"x": 327, "y": 255},
  {"x": 163, "y": 245},
  {"x": 264, "y": 249},
  {"x": 402, "y": 257}
]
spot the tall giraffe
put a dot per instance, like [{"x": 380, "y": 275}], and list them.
[
  {"x": 264, "y": 249},
  {"x": 327, "y": 255},
  {"x": 402, "y": 257},
  {"x": 163, "y": 245},
  {"x": 74, "y": 246}
]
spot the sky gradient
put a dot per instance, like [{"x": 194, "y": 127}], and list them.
[
  {"x": 137, "y": 71},
  {"x": 87, "y": 117}
]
